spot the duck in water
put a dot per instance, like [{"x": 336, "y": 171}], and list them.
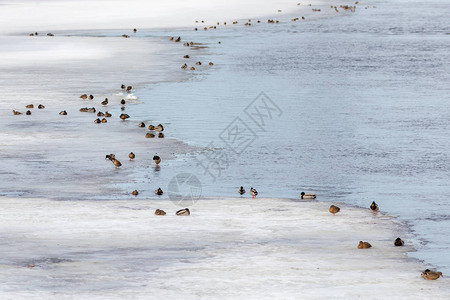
[
  {"x": 124, "y": 116},
  {"x": 159, "y": 192},
  {"x": 156, "y": 159},
  {"x": 304, "y": 195},
  {"x": 135, "y": 193},
  {"x": 131, "y": 156}
]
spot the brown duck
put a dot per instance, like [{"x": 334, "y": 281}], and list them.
[
  {"x": 399, "y": 242},
  {"x": 131, "y": 156},
  {"x": 160, "y": 212},
  {"x": 431, "y": 275},
  {"x": 124, "y": 116},
  {"x": 334, "y": 209},
  {"x": 364, "y": 245}
]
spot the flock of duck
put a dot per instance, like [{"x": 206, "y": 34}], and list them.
[{"x": 426, "y": 274}]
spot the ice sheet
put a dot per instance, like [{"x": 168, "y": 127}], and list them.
[{"x": 229, "y": 248}]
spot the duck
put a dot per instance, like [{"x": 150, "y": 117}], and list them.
[
  {"x": 211, "y": 63},
  {"x": 125, "y": 35},
  {"x": 241, "y": 191},
  {"x": 104, "y": 120},
  {"x": 131, "y": 156},
  {"x": 16, "y": 113},
  {"x": 184, "y": 67},
  {"x": 84, "y": 96},
  {"x": 91, "y": 97},
  {"x": 253, "y": 192},
  {"x": 160, "y": 212},
  {"x": 149, "y": 135},
  {"x": 110, "y": 156},
  {"x": 364, "y": 245},
  {"x": 171, "y": 38},
  {"x": 63, "y": 113},
  {"x": 334, "y": 209},
  {"x": 151, "y": 127},
  {"x": 156, "y": 159},
  {"x": 304, "y": 195},
  {"x": 29, "y": 106},
  {"x": 159, "y": 128},
  {"x": 100, "y": 114},
  {"x": 159, "y": 192},
  {"x": 123, "y": 86},
  {"x": 108, "y": 115},
  {"x": 399, "y": 242},
  {"x": 129, "y": 88},
  {"x": 134, "y": 30},
  {"x": 178, "y": 39},
  {"x": 183, "y": 212},
  {"x": 124, "y": 116},
  {"x": 116, "y": 162},
  {"x": 199, "y": 63},
  {"x": 87, "y": 109},
  {"x": 186, "y": 56},
  {"x": 161, "y": 135},
  {"x": 28, "y": 112},
  {"x": 135, "y": 193},
  {"x": 105, "y": 102},
  {"x": 122, "y": 102},
  {"x": 40, "y": 106},
  {"x": 431, "y": 275},
  {"x": 142, "y": 124},
  {"x": 192, "y": 68},
  {"x": 374, "y": 207},
  {"x": 97, "y": 121}
]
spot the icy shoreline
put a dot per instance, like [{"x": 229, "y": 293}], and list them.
[{"x": 228, "y": 248}]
